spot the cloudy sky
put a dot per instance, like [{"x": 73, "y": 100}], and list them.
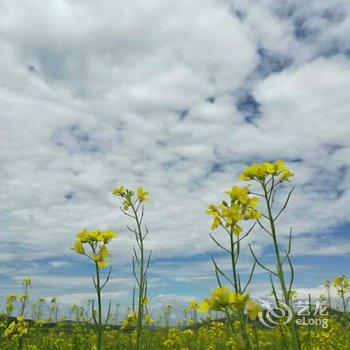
[{"x": 177, "y": 96}]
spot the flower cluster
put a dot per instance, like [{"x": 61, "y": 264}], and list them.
[
  {"x": 242, "y": 206},
  {"x": 193, "y": 305},
  {"x": 128, "y": 195},
  {"x": 342, "y": 284},
  {"x": 26, "y": 282},
  {"x": 130, "y": 321},
  {"x": 10, "y": 304},
  {"x": 97, "y": 240},
  {"x": 173, "y": 339},
  {"x": 224, "y": 299},
  {"x": 149, "y": 321},
  {"x": 17, "y": 329},
  {"x": 260, "y": 171}
]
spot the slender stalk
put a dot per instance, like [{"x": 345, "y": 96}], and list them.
[
  {"x": 97, "y": 240},
  {"x": 99, "y": 304},
  {"x": 234, "y": 253},
  {"x": 280, "y": 271},
  {"x": 141, "y": 279},
  {"x": 256, "y": 336},
  {"x": 342, "y": 293},
  {"x": 25, "y": 297},
  {"x": 233, "y": 263},
  {"x": 328, "y": 288}
]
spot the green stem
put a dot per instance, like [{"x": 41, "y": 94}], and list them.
[
  {"x": 20, "y": 344},
  {"x": 99, "y": 302},
  {"x": 234, "y": 258},
  {"x": 244, "y": 329},
  {"x": 280, "y": 272},
  {"x": 233, "y": 263},
  {"x": 344, "y": 302},
  {"x": 141, "y": 280},
  {"x": 256, "y": 336}
]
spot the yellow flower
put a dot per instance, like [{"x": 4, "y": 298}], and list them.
[
  {"x": 286, "y": 175},
  {"x": 338, "y": 281},
  {"x": 253, "y": 310},
  {"x": 253, "y": 202},
  {"x": 216, "y": 223},
  {"x": 96, "y": 240},
  {"x": 78, "y": 247},
  {"x": 21, "y": 318},
  {"x": 102, "y": 264},
  {"x": 280, "y": 166},
  {"x": 17, "y": 329},
  {"x": 132, "y": 317},
  {"x": 223, "y": 298},
  {"x": 240, "y": 193},
  {"x": 233, "y": 193},
  {"x": 193, "y": 305},
  {"x": 253, "y": 214},
  {"x": 259, "y": 171},
  {"x": 238, "y": 300},
  {"x": 237, "y": 230},
  {"x": 108, "y": 236},
  {"x": 242, "y": 207},
  {"x": 213, "y": 211},
  {"x": 104, "y": 252},
  {"x": 101, "y": 257},
  {"x": 342, "y": 284},
  {"x": 142, "y": 194},
  {"x": 126, "y": 204},
  {"x": 129, "y": 321},
  {"x": 86, "y": 236},
  {"x": 27, "y": 281},
  {"x": 205, "y": 306},
  {"x": 169, "y": 344},
  {"x": 149, "y": 320},
  {"x": 220, "y": 298},
  {"x": 120, "y": 191},
  {"x": 269, "y": 168},
  {"x": 83, "y": 236},
  {"x": 97, "y": 236},
  {"x": 244, "y": 176}
]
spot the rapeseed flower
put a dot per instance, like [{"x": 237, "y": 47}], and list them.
[
  {"x": 253, "y": 310},
  {"x": 128, "y": 195},
  {"x": 17, "y": 329},
  {"x": 97, "y": 240},
  {"x": 242, "y": 206},
  {"x": 222, "y": 298},
  {"x": 260, "y": 171},
  {"x": 142, "y": 195}
]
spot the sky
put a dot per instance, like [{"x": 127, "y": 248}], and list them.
[{"x": 176, "y": 96}]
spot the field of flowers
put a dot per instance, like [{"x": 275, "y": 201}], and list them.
[{"x": 229, "y": 318}]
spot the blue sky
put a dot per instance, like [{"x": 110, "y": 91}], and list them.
[{"x": 177, "y": 96}]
